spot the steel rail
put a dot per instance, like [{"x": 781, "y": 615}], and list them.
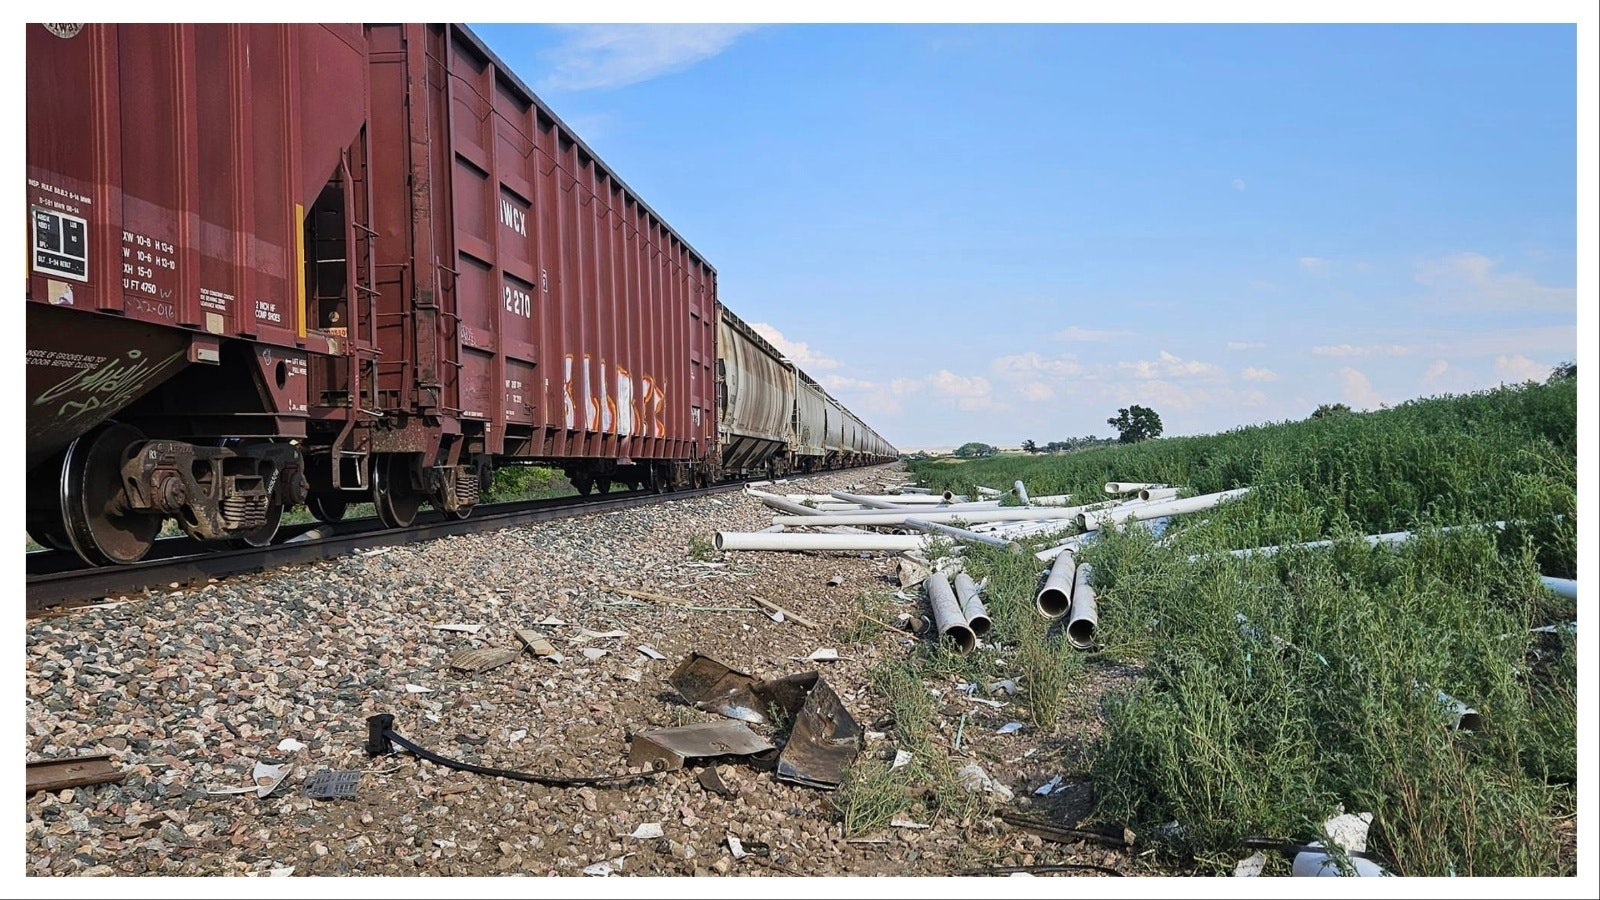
[{"x": 62, "y": 590}]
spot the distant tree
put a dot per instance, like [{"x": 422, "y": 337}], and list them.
[
  {"x": 1329, "y": 410},
  {"x": 1136, "y": 423},
  {"x": 1030, "y": 447},
  {"x": 974, "y": 449},
  {"x": 1564, "y": 371}
]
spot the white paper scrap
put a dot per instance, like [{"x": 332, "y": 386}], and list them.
[
  {"x": 1250, "y": 866},
  {"x": 1044, "y": 789},
  {"x": 901, "y": 758},
  {"x": 736, "y": 848}
]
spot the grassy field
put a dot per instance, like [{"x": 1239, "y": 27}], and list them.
[{"x": 1274, "y": 690}]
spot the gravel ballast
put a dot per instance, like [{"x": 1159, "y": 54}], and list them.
[{"x": 189, "y": 690}]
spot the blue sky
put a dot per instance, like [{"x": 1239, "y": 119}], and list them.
[{"x": 994, "y": 232}]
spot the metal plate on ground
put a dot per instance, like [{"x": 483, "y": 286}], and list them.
[
  {"x": 481, "y": 658},
  {"x": 328, "y": 785},
  {"x": 666, "y": 749}
]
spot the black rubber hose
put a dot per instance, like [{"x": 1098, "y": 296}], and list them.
[{"x": 380, "y": 732}]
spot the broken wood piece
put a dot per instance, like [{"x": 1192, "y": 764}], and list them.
[
  {"x": 76, "y": 771},
  {"x": 537, "y": 643},
  {"x": 768, "y": 604},
  {"x": 480, "y": 659},
  {"x": 646, "y": 595}
]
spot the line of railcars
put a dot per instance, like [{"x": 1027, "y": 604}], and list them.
[{"x": 283, "y": 264}]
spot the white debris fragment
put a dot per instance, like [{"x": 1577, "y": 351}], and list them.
[
  {"x": 903, "y": 822},
  {"x": 987, "y": 702},
  {"x": 1045, "y": 789},
  {"x": 631, "y": 674},
  {"x": 736, "y": 848},
  {"x": 552, "y": 620},
  {"x": 1007, "y": 686},
  {"x": 290, "y": 745},
  {"x": 1250, "y": 866},
  {"x": 594, "y": 652},
  {"x": 821, "y": 654},
  {"x": 651, "y": 652},
  {"x": 469, "y": 629},
  {"x": 901, "y": 758},
  {"x": 776, "y": 616},
  {"x": 517, "y": 735},
  {"x": 1349, "y": 831},
  {"x": 875, "y": 735},
  {"x": 417, "y": 689},
  {"x": 974, "y": 778},
  {"x": 647, "y": 831},
  {"x": 319, "y": 663},
  {"x": 281, "y": 872},
  {"x": 1008, "y": 728}
]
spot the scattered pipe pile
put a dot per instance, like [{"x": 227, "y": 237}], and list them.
[
  {"x": 972, "y": 608},
  {"x": 947, "y": 613}
]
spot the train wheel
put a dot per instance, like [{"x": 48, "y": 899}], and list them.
[
  {"x": 262, "y": 535},
  {"x": 392, "y": 495},
  {"x": 583, "y": 484},
  {"x": 603, "y": 485},
  {"x": 98, "y": 524},
  {"x": 43, "y": 520},
  {"x": 327, "y": 507}
]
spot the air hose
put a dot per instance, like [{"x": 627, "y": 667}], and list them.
[{"x": 381, "y": 738}]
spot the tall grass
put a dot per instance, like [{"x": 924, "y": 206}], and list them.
[{"x": 1277, "y": 689}]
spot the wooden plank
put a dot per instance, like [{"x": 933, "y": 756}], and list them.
[
  {"x": 78, "y": 771},
  {"x": 762, "y": 601}
]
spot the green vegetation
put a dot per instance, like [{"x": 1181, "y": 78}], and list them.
[
  {"x": 1136, "y": 423},
  {"x": 973, "y": 450},
  {"x": 1274, "y": 690},
  {"x": 528, "y": 483}
]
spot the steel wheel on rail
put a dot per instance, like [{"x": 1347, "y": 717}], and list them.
[
  {"x": 393, "y": 497},
  {"x": 99, "y": 525},
  {"x": 43, "y": 510},
  {"x": 327, "y": 507}
]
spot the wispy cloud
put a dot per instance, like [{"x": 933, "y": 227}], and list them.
[
  {"x": 1519, "y": 368},
  {"x": 610, "y": 56},
  {"x": 1471, "y": 282},
  {"x": 1438, "y": 368},
  {"x": 1088, "y": 335},
  {"x": 1358, "y": 389},
  {"x": 1251, "y": 373},
  {"x": 1238, "y": 184},
  {"x": 1168, "y": 366},
  {"x": 1246, "y": 345},
  {"x": 1030, "y": 364},
  {"x": 1343, "y": 350},
  {"x": 807, "y": 359},
  {"x": 1316, "y": 265}
]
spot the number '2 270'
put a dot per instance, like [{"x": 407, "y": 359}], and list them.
[{"x": 519, "y": 302}]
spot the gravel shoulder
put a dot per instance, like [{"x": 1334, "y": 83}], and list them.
[{"x": 189, "y": 690}]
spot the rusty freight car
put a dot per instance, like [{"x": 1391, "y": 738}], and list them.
[{"x": 321, "y": 264}]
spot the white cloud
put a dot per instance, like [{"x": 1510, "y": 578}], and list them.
[
  {"x": 1168, "y": 366},
  {"x": 1438, "y": 368},
  {"x": 1030, "y": 364},
  {"x": 1246, "y": 345},
  {"x": 952, "y": 385},
  {"x": 1316, "y": 265},
  {"x": 1238, "y": 184},
  {"x": 1038, "y": 391},
  {"x": 1251, "y": 373},
  {"x": 609, "y": 56},
  {"x": 1519, "y": 368},
  {"x": 799, "y": 351},
  {"x": 1470, "y": 282},
  {"x": 1074, "y": 333},
  {"x": 1341, "y": 350},
  {"x": 1358, "y": 389}
]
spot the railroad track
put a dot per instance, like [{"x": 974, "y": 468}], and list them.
[{"x": 58, "y": 581}]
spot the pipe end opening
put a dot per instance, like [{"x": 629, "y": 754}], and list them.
[
  {"x": 1080, "y": 633},
  {"x": 1052, "y": 603},
  {"x": 980, "y": 625},
  {"x": 965, "y": 640}
]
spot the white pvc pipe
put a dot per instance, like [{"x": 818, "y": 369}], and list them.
[
  {"x": 1049, "y": 553},
  {"x": 1022, "y": 492},
  {"x": 997, "y": 514},
  {"x": 1128, "y": 487},
  {"x": 1055, "y": 598},
  {"x": 1562, "y": 587},
  {"x": 987, "y": 492},
  {"x": 1373, "y": 540},
  {"x": 1118, "y": 515},
  {"x": 972, "y": 608},
  {"x": 1085, "y": 612},
  {"x": 790, "y": 540},
  {"x": 947, "y": 614},
  {"x": 960, "y": 534},
  {"x": 784, "y": 504},
  {"x": 1156, "y": 494},
  {"x": 1053, "y": 500}
]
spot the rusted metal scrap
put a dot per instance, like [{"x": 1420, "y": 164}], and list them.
[
  {"x": 74, "y": 771},
  {"x": 824, "y": 739},
  {"x": 665, "y": 749}
]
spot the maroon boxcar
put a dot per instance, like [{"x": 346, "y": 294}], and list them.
[
  {"x": 168, "y": 167},
  {"x": 529, "y": 304},
  {"x": 274, "y": 264}
]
